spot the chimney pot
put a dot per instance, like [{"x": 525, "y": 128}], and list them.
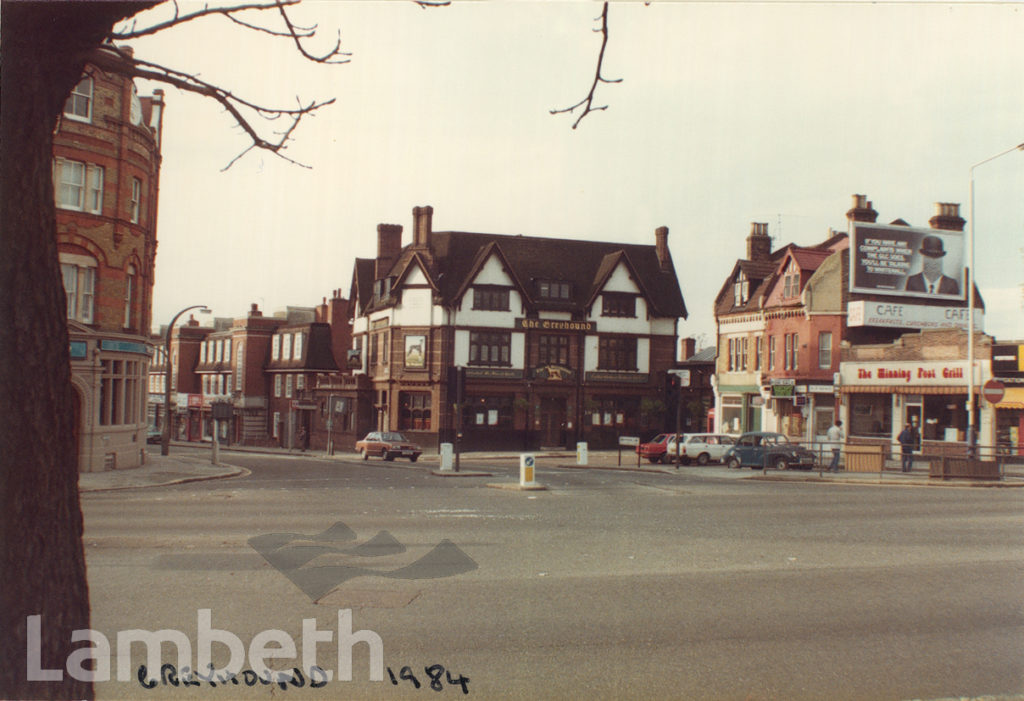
[
  {"x": 862, "y": 210},
  {"x": 947, "y": 216},
  {"x": 759, "y": 243}
]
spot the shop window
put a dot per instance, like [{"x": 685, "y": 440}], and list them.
[
  {"x": 870, "y": 415},
  {"x": 119, "y": 400},
  {"x": 488, "y": 412},
  {"x": 414, "y": 411},
  {"x": 613, "y": 412},
  {"x": 732, "y": 414},
  {"x": 945, "y": 417}
]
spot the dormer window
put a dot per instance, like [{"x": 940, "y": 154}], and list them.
[
  {"x": 791, "y": 281},
  {"x": 553, "y": 289},
  {"x": 382, "y": 288},
  {"x": 741, "y": 290}
]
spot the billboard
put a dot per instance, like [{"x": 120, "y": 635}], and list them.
[{"x": 907, "y": 262}]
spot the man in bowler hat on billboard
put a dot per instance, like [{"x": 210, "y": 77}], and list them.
[{"x": 931, "y": 280}]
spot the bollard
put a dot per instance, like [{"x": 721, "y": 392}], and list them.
[
  {"x": 526, "y": 468},
  {"x": 581, "y": 454},
  {"x": 446, "y": 457}
]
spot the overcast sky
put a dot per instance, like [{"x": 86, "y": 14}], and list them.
[{"x": 728, "y": 113}]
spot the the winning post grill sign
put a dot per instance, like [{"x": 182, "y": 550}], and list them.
[{"x": 907, "y": 262}]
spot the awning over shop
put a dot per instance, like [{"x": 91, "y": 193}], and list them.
[
  {"x": 905, "y": 389},
  {"x": 1013, "y": 399}
]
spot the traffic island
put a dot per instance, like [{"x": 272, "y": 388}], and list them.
[{"x": 527, "y": 483}]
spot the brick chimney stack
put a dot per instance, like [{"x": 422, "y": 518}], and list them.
[
  {"x": 422, "y": 221},
  {"x": 759, "y": 243},
  {"x": 687, "y": 347},
  {"x": 661, "y": 247},
  {"x": 947, "y": 216},
  {"x": 389, "y": 245},
  {"x": 861, "y": 211}
]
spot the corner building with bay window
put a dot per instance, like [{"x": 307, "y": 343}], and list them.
[
  {"x": 106, "y": 170},
  {"x": 560, "y": 340}
]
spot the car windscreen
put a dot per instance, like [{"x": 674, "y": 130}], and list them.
[{"x": 392, "y": 437}]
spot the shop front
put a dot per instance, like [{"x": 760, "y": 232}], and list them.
[
  {"x": 880, "y": 398},
  {"x": 739, "y": 408}
]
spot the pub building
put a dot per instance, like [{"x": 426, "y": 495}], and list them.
[{"x": 920, "y": 378}]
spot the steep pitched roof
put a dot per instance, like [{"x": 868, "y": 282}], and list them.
[
  {"x": 758, "y": 274},
  {"x": 456, "y": 256},
  {"x": 362, "y": 281}
]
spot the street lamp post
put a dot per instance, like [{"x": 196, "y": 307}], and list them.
[
  {"x": 165, "y": 439},
  {"x": 972, "y": 436}
]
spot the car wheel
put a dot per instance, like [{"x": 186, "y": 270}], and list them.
[
  {"x": 781, "y": 464},
  {"x": 703, "y": 459},
  {"x": 734, "y": 463},
  {"x": 366, "y": 454},
  {"x": 655, "y": 460},
  {"x": 388, "y": 456},
  {"x": 413, "y": 458}
]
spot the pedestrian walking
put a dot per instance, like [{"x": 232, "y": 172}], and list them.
[
  {"x": 303, "y": 438},
  {"x": 908, "y": 440},
  {"x": 835, "y": 438}
]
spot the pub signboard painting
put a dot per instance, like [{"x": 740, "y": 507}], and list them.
[{"x": 907, "y": 262}]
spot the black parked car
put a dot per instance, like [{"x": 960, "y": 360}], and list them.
[{"x": 760, "y": 449}]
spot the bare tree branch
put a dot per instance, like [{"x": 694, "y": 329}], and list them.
[
  {"x": 326, "y": 58},
  {"x": 294, "y": 32},
  {"x": 110, "y": 58},
  {"x": 588, "y": 102}
]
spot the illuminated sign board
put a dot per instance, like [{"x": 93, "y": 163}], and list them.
[
  {"x": 906, "y": 262},
  {"x": 904, "y": 373}
]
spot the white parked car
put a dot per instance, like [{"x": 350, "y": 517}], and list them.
[{"x": 700, "y": 448}]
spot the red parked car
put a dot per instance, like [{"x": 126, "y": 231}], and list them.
[
  {"x": 655, "y": 449},
  {"x": 388, "y": 445}
]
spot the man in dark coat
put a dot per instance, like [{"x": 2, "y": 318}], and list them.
[
  {"x": 908, "y": 440},
  {"x": 930, "y": 279}
]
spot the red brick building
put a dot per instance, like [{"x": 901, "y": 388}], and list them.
[{"x": 106, "y": 176}]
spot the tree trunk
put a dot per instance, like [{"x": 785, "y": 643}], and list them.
[{"x": 42, "y": 564}]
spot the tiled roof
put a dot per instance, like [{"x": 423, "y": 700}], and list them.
[
  {"x": 455, "y": 256},
  {"x": 704, "y": 355}
]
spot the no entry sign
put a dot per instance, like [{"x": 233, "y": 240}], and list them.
[{"x": 993, "y": 391}]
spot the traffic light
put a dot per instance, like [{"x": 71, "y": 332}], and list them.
[{"x": 456, "y": 385}]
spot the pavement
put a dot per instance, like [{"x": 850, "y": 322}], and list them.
[{"x": 178, "y": 467}]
